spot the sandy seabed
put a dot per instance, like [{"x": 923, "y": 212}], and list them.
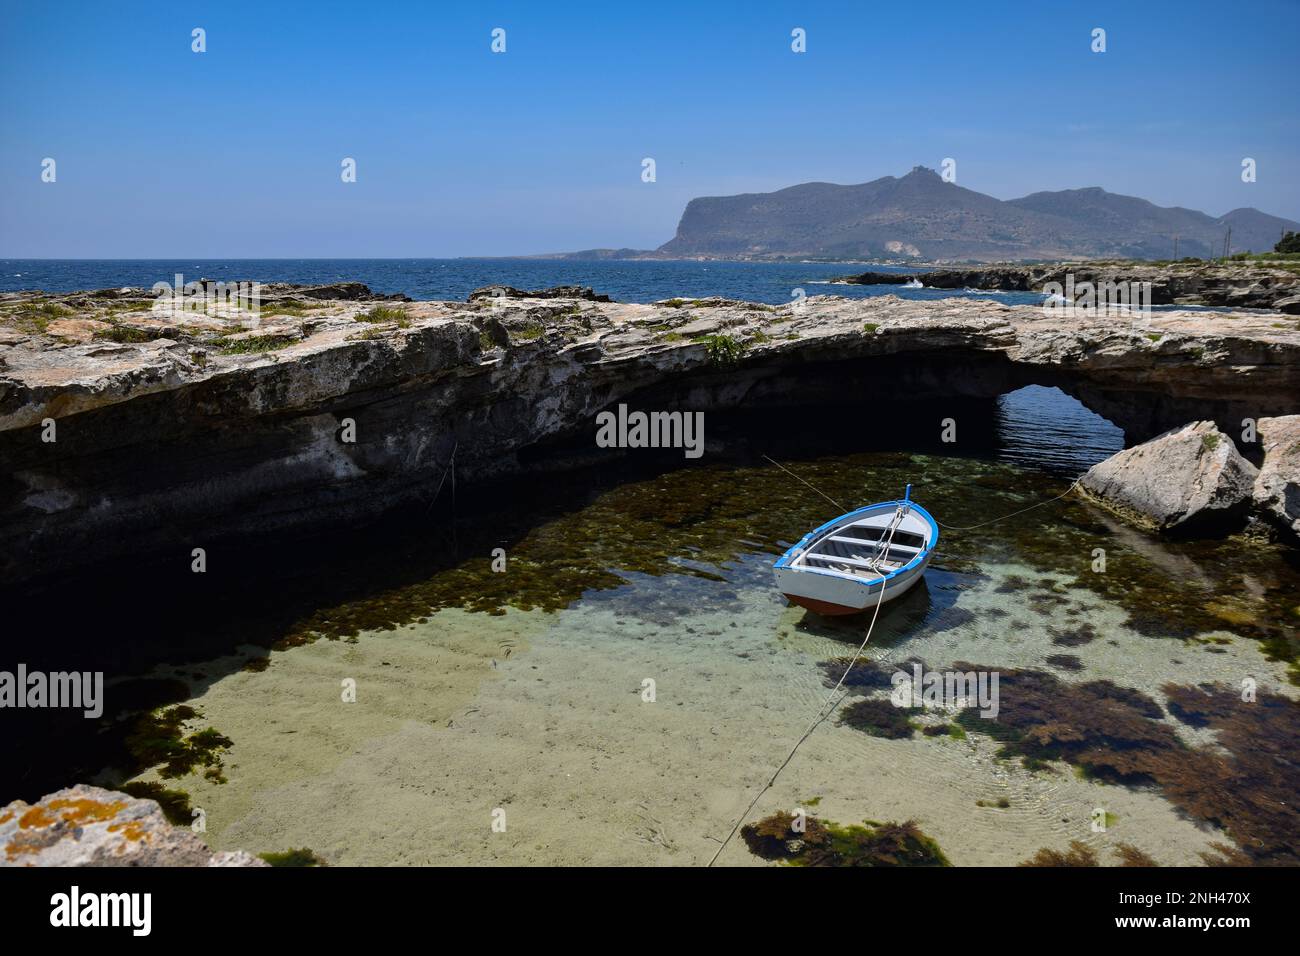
[{"x": 541, "y": 716}]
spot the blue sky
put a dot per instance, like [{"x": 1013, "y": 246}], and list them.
[{"x": 163, "y": 152}]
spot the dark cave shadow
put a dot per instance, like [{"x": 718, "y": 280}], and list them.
[{"x": 131, "y": 616}]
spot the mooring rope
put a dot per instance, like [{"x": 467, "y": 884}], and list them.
[
  {"x": 451, "y": 467},
  {"x": 936, "y": 520},
  {"x": 843, "y": 510},
  {"x": 1014, "y": 513},
  {"x": 822, "y": 712}
]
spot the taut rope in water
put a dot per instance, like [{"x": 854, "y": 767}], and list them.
[
  {"x": 936, "y": 520},
  {"x": 843, "y": 510},
  {"x": 822, "y": 712},
  {"x": 451, "y": 467},
  {"x": 1014, "y": 513}
]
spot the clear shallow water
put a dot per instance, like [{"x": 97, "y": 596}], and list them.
[{"x": 523, "y": 690}]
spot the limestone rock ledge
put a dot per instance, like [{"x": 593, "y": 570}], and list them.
[
  {"x": 1277, "y": 489},
  {"x": 1235, "y": 285},
  {"x": 1190, "y": 478},
  {"x": 89, "y": 826},
  {"x": 129, "y": 427}
]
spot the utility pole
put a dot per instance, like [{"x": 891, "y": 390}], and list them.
[
  {"x": 1227, "y": 242},
  {"x": 1175, "y": 248}
]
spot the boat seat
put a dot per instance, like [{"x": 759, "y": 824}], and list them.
[
  {"x": 878, "y": 532},
  {"x": 902, "y": 548},
  {"x": 854, "y": 562}
]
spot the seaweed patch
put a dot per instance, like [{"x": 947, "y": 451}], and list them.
[{"x": 807, "y": 841}]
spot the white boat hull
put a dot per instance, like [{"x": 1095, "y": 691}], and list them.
[
  {"x": 841, "y": 567},
  {"x": 836, "y": 596}
]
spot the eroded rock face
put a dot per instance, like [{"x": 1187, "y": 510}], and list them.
[
  {"x": 1277, "y": 489},
  {"x": 174, "y": 428},
  {"x": 87, "y": 826},
  {"x": 1191, "y": 479}
]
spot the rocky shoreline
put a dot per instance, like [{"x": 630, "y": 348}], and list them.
[
  {"x": 90, "y": 826},
  {"x": 135, "y": 428},
  {"x": 1227, "y": 285}
]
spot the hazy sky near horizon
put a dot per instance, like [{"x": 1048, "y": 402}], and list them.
[{"x": 162, "y": 152}]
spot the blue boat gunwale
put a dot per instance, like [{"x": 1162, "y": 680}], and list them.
[{"x": 785, "y": 559}]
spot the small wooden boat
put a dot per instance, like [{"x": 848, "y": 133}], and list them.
[{"x": 841, "y": 567}]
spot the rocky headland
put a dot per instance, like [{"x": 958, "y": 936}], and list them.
[
  {"x": 128, "y": 426},
  {"x": 1236, "y": 285},
  {"x": 923, "y": 215}
]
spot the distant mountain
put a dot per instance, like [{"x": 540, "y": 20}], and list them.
[
  {"x": 921, "y": 216},
  {"x": 1255, "y": 231}
]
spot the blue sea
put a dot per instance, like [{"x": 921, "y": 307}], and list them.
[{"x": 454, "y": 279}]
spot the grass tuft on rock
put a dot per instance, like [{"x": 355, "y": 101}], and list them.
[
  {"x": 35, "y": 317},
  {"x": 254, "y": 344},
  {"x": 723, "y": 349},
  {"x": 125, "y": 334},
  {"x": 384, "y": 313}
]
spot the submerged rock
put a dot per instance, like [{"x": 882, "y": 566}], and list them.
[
  {"x": 88, "y": 826},
  {"x": 1277, "y": 489},
  {"x": 1191, "y": 479}
]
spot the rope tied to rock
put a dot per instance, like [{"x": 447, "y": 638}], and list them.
[
  {"x": 949, "y": 527},
  {"x": 1040, "y": 504}
]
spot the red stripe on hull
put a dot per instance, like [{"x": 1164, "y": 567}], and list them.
[{"x": 824, "y": 608}]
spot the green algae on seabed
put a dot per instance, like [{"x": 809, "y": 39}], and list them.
[
  {"x": 1080, "y": 854},
  {"x": 159, "y": 737},
  {"x": 818, "y": 843},
  {"x": 299, "y": 857},
  {"x": 686, "y": 520},
  {"x": 880, "y": 718},
  {"x": 1244, "y": 784},
  {"x": 1113, "y": 734},
  {"x": 175, "y": 804}
]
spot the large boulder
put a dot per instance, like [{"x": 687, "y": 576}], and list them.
[
  {"x": 1277, "y": 489},
  {"x": 1191, "y": 479},
  {"x": 87, "y": 826}
]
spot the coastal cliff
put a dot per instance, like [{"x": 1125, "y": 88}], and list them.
[{"x": 127, "y": 427}]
